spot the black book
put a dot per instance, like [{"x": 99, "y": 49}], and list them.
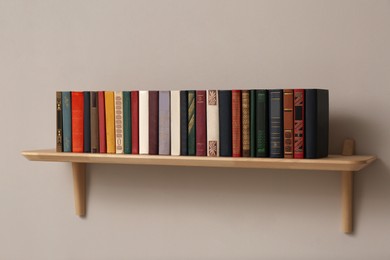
[
  {"x": 262, "y": 117},
  {"x": 59, "y": 147},
  {"x": 183, "y": 122},
  {"x": 87, "y": 122},
  {"x": 316, "y": 123},
  {"x": 225, "y": 122},
  {"x": 276, "y": 123}
]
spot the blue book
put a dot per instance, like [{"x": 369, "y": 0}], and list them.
[
  {"x": 67, "y": 121},
  {"x": 276, "y": 123},
  {"x": 87, "y": 122},
  {"x": 164, "y": 134}
]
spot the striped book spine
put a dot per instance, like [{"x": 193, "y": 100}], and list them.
[
  {"x": 299, "y": 114},
  {"x": 191, "y": 123},
  {"x": 183, "y": 122},
  {"x": 118, "y": 95}
]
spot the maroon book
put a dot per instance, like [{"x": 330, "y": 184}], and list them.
[
  {"x": 201, "y": 123},
  {"x": 236, "y": 123},
  {"x": 134, "y": 123},
  {"x": 102, "y": 122},
  {"x": 153, "y": 122},
  {"x": 299, "y": 124}
]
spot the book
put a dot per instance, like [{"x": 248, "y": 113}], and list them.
[
  {"x": 164, "y": 123},
  {"x": 153, "y": 122},
  {"x": 200, "y": 123},
  {"x": 191, "y": 139},
  {"x": 175, "y": 122},
  {"x": 236, "y": 123},
  {"x": 245, "y": 123},
  {"x": 77, "y": 122},
  {"x": 183, "y": 122},
  {"x": 143, "y": 118},
  {"x": 225, "y": 122},
  {"x": 118, "y": 119},
  {"x": 126, "y": 122},
  {"x": 59, "y": 121},
  {"x": 288, "y": 126},
  {"x": 87, "y": 122},
  {"x": 252, "y": 123},
  {"x": 134, "y": 122},
  {"x": 276, "y": 123},
  {"x": 67, "y": 121},
  {"x": 212, "y": 123},
  {"x": 316, "y": 123},
  {"x": 102, "y": 122},
  {"x": 299, "y": 124},
  {"x": 262, "y": 116},
  {"x": 94, "y": 122},
  {"x": 110, "y": 121}
]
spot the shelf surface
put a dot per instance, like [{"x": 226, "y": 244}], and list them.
[{"x": 331, "y": 163}]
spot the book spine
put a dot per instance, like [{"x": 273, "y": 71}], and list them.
[
  {"x": 200, "y": 123},
  {"x": 276, "y": 123},
  {"x": 102, "y": 122},
  {"x": 225, "y": 122},
  {"x": 236, "y": 123},
  {"x": 77, "y": 122},
  {"x": 134, "y": 123},
  {"x": 143, "y": 122},
  {"x": 59, "y": 121},
  {"x": 164, "y": 122},
  {"x": 126, "y": 122},
  {"x": 288, "y": 119},
  {"x": 262, "y": 123},
  {"x": 253, "y": 123},
  {"x": 183, "y": 122},
  {"x": 110, "y": 121},
  {"x": 245, "y": 119},
  {"x": 299, "y": 124},
  {"x": 191, "y": 143},
  {"x": 94, "y": 122},
  {"x": 87, "y": 122},
  {"x": 212, "y": 123},
  {"x": 175, "y": 122},
  {"x": 118, "y": 117},
  {"x": 67, "y": 121},
  {"x": 153, "y": 122}
]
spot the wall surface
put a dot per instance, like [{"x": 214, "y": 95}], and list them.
[{"x": 192, "y": 213}]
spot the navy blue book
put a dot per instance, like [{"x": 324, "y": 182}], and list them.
[
  {"x": 67, "y": 121},
  {"x": 183, "y": 122},
  {"x": 225, "y": 122},
  {"x": 87, "y": 122},
  {"x": 276, "y": 123}
]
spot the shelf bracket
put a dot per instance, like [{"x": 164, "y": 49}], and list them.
[
  {"x": 79, "y": 187},
  {"x": 347, "y": 190}
]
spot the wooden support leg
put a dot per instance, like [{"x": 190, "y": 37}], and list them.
[
  {"x": 79, "y": 187},
  {"x": 347, "y": 190}
]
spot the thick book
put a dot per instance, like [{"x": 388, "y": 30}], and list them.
[
  {"x": 134, "y": 123},
  {"x": 164, "y": 123},
  {"x": 183, "y": 122},
  {"x": 288, "y": 119},
  {"x": 316, "y": 123},
  {"x": 175, "y": 122},
  {"x": 67, "y": 121},
  {"x": 143, "y": 118},
  {"x": 276, "y": 123},
  {"x": 262, "y": 116},
  {"x": 191, "y": 139},
  {"x": 77, "y": 122},
  {"x": 94, "y": 122},
  {"x": 212, "y": 123},
  {"x": 236, "y": 123},
  {"x": 153, "y": 122},
  {"x": 225, "y": 122},
  {"x": 59, "y": 121},
  {"x": 118, "y": 102},
  {"x": 252, "y": 95},
  {"x": 110, "y": 121},
  {"x": 102, "y": 122},
  {"x": 87, "y": 122},
  {"x": 200, "y": 123},
  {"x": 245, "y": 123},
  {"x": 126, "y": 122},
  {"x": 299, "y": 123}
]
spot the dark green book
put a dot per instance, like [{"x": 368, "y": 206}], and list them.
[
  {"x": 127, "y": 122},
  {"x": 262, "y": 149},
  {"x": 191, "y": 123},
  {"x": 252, "y": 104}
]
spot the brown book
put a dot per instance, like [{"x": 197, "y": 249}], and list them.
[
  {"x": 153, "y": 122},
  {"x": 236, "y": 123},
  {"x": 245, "y": 123},
  {"x": 94, "y": 122},
  {"x": 288, "y": 118},
  {"x": 59, "y": 122}
]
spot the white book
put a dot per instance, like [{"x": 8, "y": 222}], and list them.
[
  {"x": 175, "y": 122},
  {"x": 118, "y": 102},
  {"x": 212, "y": 123},
  {"x": 143, "y": 122}
]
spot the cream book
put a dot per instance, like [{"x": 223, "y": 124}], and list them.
[
  {"x": 175, "y": 122},
  {"x": 143, "y": 122},
  {"x": 118, "y": 100},
  {"x": 212, "y": 123}
]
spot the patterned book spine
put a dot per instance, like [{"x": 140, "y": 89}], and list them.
[
  {"x": 245, "y": 112},
  {"x": 212, "y": 123},
  {"x": 225, "y": 122},
  {"x": 110, "y": 121},
  {"x": 164, "y": 122},
  {"x": 134, "y": 123},
  {"x": 87, "y": 122},
  {"x": 191, "y": 123},
  {"x": 200, "y": 123},
  {"x": 288, "y": 118},
  {"x": 236, "y": 123},
  {"x": 102, "y": 122},
  {"x": 94, "y": 122},
  {"x": 77, "y": 122},
  {"x": 153, "y": 122},
  {"x": 276, "y": 123},
  {"x": 183, "y": 122},
  {"x": 143, "y": 122},
  {"x": 262, "y": 149},
  {"x": 175, "y": 122},
  {"x": 118, "y": 95},
  {"x": 126, "y": 122},
  {"x": 299, "y": 135},
  {"x": 253, "y": 123},
  {"x": 67, "y": 121},
  {"x": 59, "y": 121}
]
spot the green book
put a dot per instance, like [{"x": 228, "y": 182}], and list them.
[
  {"x": 127, "y": 122},
  {"x": 191, "y": 123},
  {"x": 262, "y": 149},
  {"x": 252, "y": 105}
]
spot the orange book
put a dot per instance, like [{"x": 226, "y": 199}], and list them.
[
  {"x": 110, "y": 121},
  {"x": 77, "y": 122}
]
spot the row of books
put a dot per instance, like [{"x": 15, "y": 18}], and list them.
[{"x": 279, "y": 123}]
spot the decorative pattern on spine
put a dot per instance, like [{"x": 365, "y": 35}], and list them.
[
  {"x": 212, "y": 123},
  {"x": 118, "y": 122},
  {"x": 245, "y": 123},
  {"x": 288, "y": 118},
  {"x": 200, "y": 123},
  {"x": 299, "y": 114},
  {"x": 59, "y": 121},
  {"x": 276, "y": 123},
  {"x": 191, "y": 123},
  {"x": 262, "y": 123},
  {"x": 236, "y": 123}
]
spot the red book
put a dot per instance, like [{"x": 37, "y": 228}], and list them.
[
  {"x": 77, "y": 122},
  {"x": 200, "y": 123},
  {"x": 236, "y": 123},
  {"x": 134, "y": 123},
  {"x": 299, "y": 124},
  {"x": 153, "y": 122},
  {"x": 102, "y": 123}
]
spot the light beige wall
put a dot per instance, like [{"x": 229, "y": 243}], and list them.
[{"x": 184, "y": 213}]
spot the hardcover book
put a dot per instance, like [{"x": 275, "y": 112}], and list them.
[
  {"x": 184, "y": 122},
  {"x": 118, "y": 99},
  {"x": 225, "y": 122},
  {"x": 245, "y": 119},
  {"x": 252, "y": 124},
  {"x": 288, "y": 119},
  {"x": 134, "y": 122},
  {"x": 102, "y": 122},
  {"x": 59, "y": 121},
  {"x": 153, "y": 122},
  {"x": 175, "y": 122},
  {"x": 126, "y": 122},
  {"x": 236, "y": 123},
  {"x": 94, "y": 122},
  {"x": 87, "y": 122},
  {"x": 276, "y": 123},
  {"x": 200, "y": 123},
  {"x": 262, "y": 147},
  {"x": 212, "y": 123},
  {"x": 299, "y": 125},
  {"x": 110, "y": 121},
  {"x": 191, "y": 123},
  {"x": 143, "y": 122},
  {"x": 164, "y": 122},
  {"x": 67, "y": 121},
  {"x": 77, "y": 122}
]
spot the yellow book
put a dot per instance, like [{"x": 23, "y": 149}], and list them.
[{"x": 110, "y": 121}]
